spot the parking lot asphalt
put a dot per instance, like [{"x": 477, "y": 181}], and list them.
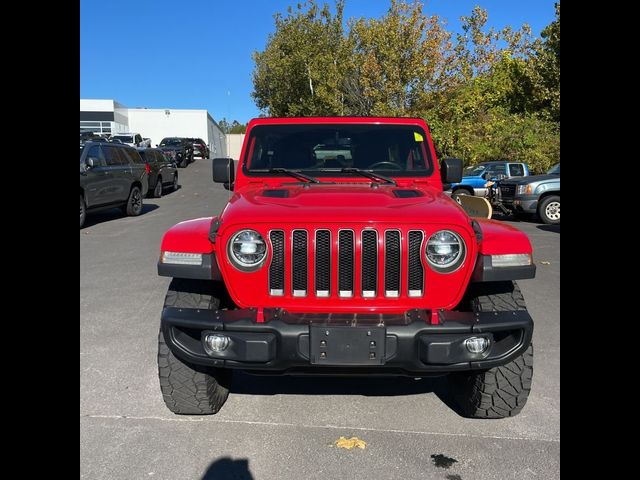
[{"x": 284, "y": 427}]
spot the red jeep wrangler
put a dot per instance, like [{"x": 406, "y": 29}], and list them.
[{"x": 339, "y": 254}]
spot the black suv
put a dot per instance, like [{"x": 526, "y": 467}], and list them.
[
  {"x": 200, "y": 148},
  {"x": 178, "y": 149},
  {"x": 111, "y": 175},
  {"x": 162, "y": 171}
]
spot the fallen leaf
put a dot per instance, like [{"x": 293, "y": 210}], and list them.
[
  {"x": 545, "y": 263},
  {"x": 349, "y": 443}
]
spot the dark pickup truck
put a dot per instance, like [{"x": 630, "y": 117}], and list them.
[{"x": 111, "y": 175}]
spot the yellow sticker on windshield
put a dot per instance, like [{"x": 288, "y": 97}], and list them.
[{"x": 417, "y": 137}]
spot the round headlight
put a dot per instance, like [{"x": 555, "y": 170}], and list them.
[
  {"x": 247, "y": 250},
  {"x": 445, "y": 251}
]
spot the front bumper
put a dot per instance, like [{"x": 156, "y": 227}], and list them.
[
  {"x": 395, "y": 344},
  {"x": 522, "y": 203}
]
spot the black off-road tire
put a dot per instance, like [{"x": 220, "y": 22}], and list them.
[
  {"x": 83, "y": 211},
  {"x": 189, "y": 389},
  {"x": 502, "y": 391},
  {"x": 134, "y": 205}
]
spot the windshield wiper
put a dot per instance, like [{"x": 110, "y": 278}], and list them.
[
  {"x": 371, "y": 175},
  {"x": 293, "y": 173}
]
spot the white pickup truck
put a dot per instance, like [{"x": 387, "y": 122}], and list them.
[{"x": 133, "y": 139}]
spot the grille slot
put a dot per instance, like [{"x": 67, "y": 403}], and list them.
[
  {"x": 276, "y": 269},
  {"x": 369, "y": 263},
  {"x": 346, "y": 246},
  {"x": 392, "y": 263},
  {"x": 300, "y": 253},
  {"x": 415, "y": 270},
  {"x": 323, "y": 263}
]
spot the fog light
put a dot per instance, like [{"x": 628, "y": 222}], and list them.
[
  {"x": 477, "y": 344},
  {"x": 215, "y": 343}
]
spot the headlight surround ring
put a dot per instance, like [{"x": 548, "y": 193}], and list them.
[
  {"x": 445, "y": 251},
  {"x": 247, "y": 250}
]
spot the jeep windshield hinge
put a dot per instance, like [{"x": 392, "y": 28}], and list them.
[{"x": 213, "y": 231}]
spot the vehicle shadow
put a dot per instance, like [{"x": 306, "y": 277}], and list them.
[
  {"x": 114, "y": 214},
  {"x": 226, "y": 468},
  {"x": 320, "y": 385},
  {"x": 168, "y": 191},
  {"x": 549, "y": 228}
]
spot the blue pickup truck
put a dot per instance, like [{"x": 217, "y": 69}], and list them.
[{"x": 475, "y": 177}]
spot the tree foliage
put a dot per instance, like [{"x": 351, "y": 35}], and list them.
[
  {"x": 485, "y": 94},
  {"x": 233, "y": 127}
]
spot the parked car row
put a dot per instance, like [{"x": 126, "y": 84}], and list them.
[
  {"x": 118, "y": 175},
  {"x": 511, "y": 187}
]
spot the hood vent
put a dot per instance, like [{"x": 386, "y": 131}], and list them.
[
  {"x": 407, "y": 193},
  {"x": 276, "y": 193}
]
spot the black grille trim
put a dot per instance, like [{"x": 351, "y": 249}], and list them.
[
  {"x": 323, "y": 263},
  {"x": 299, "y": 259},
  {"x": 392, "y": 260},
  {"x": 346, "y": 263},
  {"x": 369, "y": 263},
  {"x": 415, "y": 268},
  {"x": 276, "y": 268}
]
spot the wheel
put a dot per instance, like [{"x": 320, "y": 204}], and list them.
[
  {"x": 549, "y": 210},
  {"x": 134, "y": 203},
  {"x": 157, "y": 191},
  {"x": 500, "y": 391},
  {"x": 83, "y": 211},
  {"x": 189, "y": 389},
  {"x": 174, "y": 186},
  {"x": 459, "y": 193}
]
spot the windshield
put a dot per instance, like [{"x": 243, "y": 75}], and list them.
[
  {"x": 555, "y": 170},
  {"x": 474, "y": 171},
  {"x": 326, "y": 149},
  {"x": 170, "y": 141},
  {"x": 123, "y": 138}
]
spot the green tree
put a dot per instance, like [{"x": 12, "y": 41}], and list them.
[
  {"x": 397, "y": 61},
  {"x": 485, "y": 94},
  {"x": 299, "y": 72},
  {"x": 545, "y": 74},
  {"x": 237, "y": 127},
  {"x": 224, "y": 125}
]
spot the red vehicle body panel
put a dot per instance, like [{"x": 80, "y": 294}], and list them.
[
  {"x": 191, "y": 236},
  {"x": 501, "y": 238},
  {"x": 350, "y": 203}
]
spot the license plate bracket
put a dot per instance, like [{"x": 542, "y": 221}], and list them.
[{"x": 347, "y": 345}]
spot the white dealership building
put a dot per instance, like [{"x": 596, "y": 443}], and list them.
[{"x": 111, "y": 117}]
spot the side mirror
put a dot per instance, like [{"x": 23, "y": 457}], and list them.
[
  {"x": 451, "y": 170},
  {"x": 89, "y": 162},
  {"x": 224, "y": 171},
  {"x": 486, "y": 175}
]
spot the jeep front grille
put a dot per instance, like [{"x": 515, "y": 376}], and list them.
[{"x": 352, "y": 251}]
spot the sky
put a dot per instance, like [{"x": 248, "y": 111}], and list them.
[{"x": 196, "y": 54}]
